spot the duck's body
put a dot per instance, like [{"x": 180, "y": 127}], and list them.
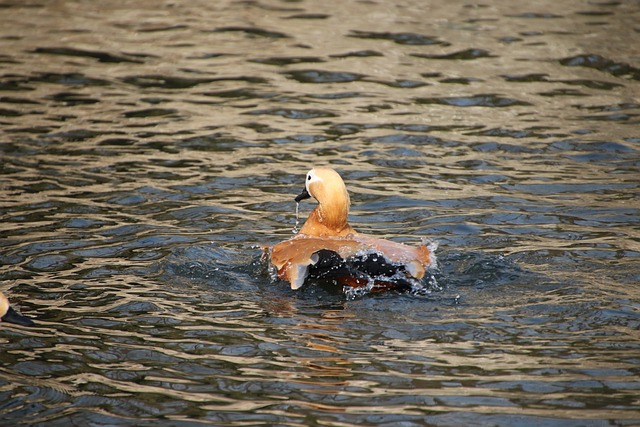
[
  {"x": 327, "y": 247},
  {"x": 9, "y": 315}
]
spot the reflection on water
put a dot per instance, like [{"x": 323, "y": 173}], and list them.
[{"x": 148, "y": 149}]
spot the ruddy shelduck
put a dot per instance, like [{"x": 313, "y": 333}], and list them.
[
  {"x": 328, "y": 248},
  {"x": 9, "y": 315}
]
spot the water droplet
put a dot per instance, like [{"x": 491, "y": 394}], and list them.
[{"x": 296, "y": 228}]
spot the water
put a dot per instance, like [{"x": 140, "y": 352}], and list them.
[
  {"x": 296, "y": 227},
  {"x": 148, "y": 149}
]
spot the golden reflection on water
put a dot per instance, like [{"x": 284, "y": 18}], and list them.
[{"x": 149, "y": 149}]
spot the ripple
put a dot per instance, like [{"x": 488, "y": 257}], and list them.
[
  {"x": 6, "y": 112},
  {"x": 338, "y": 95},
  {"x": 100, "y": 56},
  {"x": 358, "y": 54},
  {"x": 117, "y": 142},
  {"x": 535, "y": 15},
  {"x": 399, "y": 38},
  {"x": 49, "y": 263},
  {"x": 168, "y": 82},
  {"x": 617, "y": 117},
  {"x": 600, "y": 63},
  {"x": 150, "y": 112},
  {"x": 516, "y": 133},
  {"x": 290, "y": 113},
  {"x": 153, "y": 28},
  {"x": 466, "y": 54},
  {"x": 243, "y": 93},
  {"x": 320, "y": 76},
  {"x": 563, "y": 92},
  {"x": 253, "y": 31},
  {"x": 17, "y": 100},
  {"x": 488, "y": 100},
  {"x": 287, "y": 60},
  {"x": 402, "y": 84},
  {"x": 592, "y": 84},
  {"x": 526, "y": 78},
  {"x": 75, "y": 135},
  {"x": 14, "y": 84},
  {"x": 72, "y": 98},
  {"x": 308, "y": 16},
  {"x": 459, "y": 80},
  {"x": 478, "y": 269},
  {"x": 76, "y": 79}
]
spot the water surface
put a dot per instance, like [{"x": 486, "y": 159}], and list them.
[{"x": 149, "y": 149}]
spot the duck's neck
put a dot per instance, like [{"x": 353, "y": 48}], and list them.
[{"x": 329, "y": 219}]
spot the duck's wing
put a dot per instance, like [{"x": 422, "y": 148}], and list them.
[
  {"x": 416, "y": 259},
  {"x": 293, "y": 257},
  {"x": 296, "y": 258}
]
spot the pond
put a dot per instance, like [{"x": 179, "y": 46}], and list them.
[{"x": 149, "y": 150}]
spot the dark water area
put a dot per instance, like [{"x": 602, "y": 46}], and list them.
[{"x": 149, "y": 148}]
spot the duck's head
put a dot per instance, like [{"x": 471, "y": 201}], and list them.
[
  {"x": 326, "y": 186},
  {"x": 8, "y": 314},
  {"x": 330, "y": 216}
]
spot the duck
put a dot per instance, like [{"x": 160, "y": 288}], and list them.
[
  {"x": 9, "y": 315},
  {"x": 327, "y": 248}
]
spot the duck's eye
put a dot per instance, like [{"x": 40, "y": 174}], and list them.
[{"x": 308, "y": 177}]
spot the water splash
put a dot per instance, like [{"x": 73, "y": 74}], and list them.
[
  {"x": 296, "y": 228},
  {"x": 352, "y": 293}
]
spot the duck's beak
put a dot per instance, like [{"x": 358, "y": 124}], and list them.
[
  {"x": 304, "y": 195},
  {"x": 12, "y": 316}
]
